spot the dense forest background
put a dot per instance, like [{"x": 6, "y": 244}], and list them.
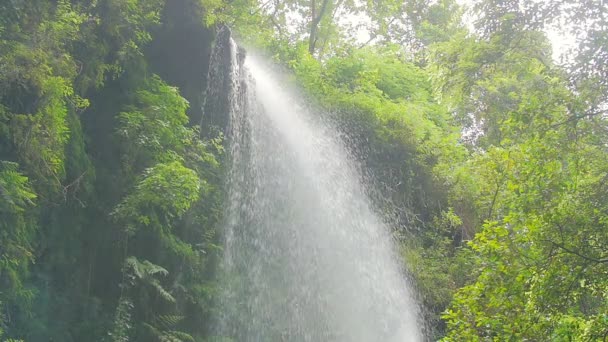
[{"x": 489, "y": 156}]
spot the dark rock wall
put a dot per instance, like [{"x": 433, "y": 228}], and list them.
[{"x": 180, "y": 50}]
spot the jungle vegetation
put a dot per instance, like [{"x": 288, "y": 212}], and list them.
[{"x": 490, "y": 155}]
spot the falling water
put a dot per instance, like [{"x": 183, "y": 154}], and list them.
[{"x": 306, "y": 258}]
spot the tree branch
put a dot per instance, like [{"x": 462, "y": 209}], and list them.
[
  {"x": 577, "y": 117},
  {"x": 582, "y": 256},
  {"x": 312, "y": 39}
]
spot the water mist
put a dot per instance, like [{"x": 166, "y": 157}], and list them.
[{"x": 305, "y": 256}]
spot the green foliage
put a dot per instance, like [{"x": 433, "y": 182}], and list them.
[
  {"x": 126, "y": 24},
  {"x": 17, "y": 231},
  {"x": 153, "y": 128},
  {"x": 122, "y": 325},
  {"x": 16, "y": 194},
  {"x": 62, "y": 267},
  {"x": 36, "y": 91},
  {"x": 385, "y": 104},
  {"x": 145, "y": 274},
  {"x": 523, "y": 183},
  {"x": 538, "y": 169},
  {"x": 163, "y": 332},
  {"x": 538, "y": 258},
  {"x": 103, "y": 179},
  {"x": 165, "y": 193},
  {"x": 439, "y": 267}
]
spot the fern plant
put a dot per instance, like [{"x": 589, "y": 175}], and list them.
[
  {"x": 146, "y": 273},
  {"x": 163, "y": 329},
  {"x": 122, "y": 326}
]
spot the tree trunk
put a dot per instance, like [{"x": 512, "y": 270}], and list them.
[{"x": 314, "y": 25}]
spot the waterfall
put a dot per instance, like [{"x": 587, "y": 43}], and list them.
[{"x": 306, "y": 258}]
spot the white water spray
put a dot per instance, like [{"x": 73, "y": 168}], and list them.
[{"x": 306, "y": 258}]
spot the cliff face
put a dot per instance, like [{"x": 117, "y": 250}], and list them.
[
  {"x": 180, "y": 51},
  {"x": 226, "y": 84}
]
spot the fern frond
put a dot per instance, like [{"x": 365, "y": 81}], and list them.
[
  {"x": 181, "y": 336},
  {"x": 161, "y": 290},
  {"x": 121, "y": 328},
  {"x": 168, "y": 336},
  {"x": 132, "y": 265},
  {"x": 168, "y": 321},
  {"x": 151, "y": 269}
]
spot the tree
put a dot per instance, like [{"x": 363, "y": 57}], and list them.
[{"x": 537, "y": 252}]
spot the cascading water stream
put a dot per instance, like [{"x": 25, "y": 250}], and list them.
[{"x": 306, "y": 258}]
